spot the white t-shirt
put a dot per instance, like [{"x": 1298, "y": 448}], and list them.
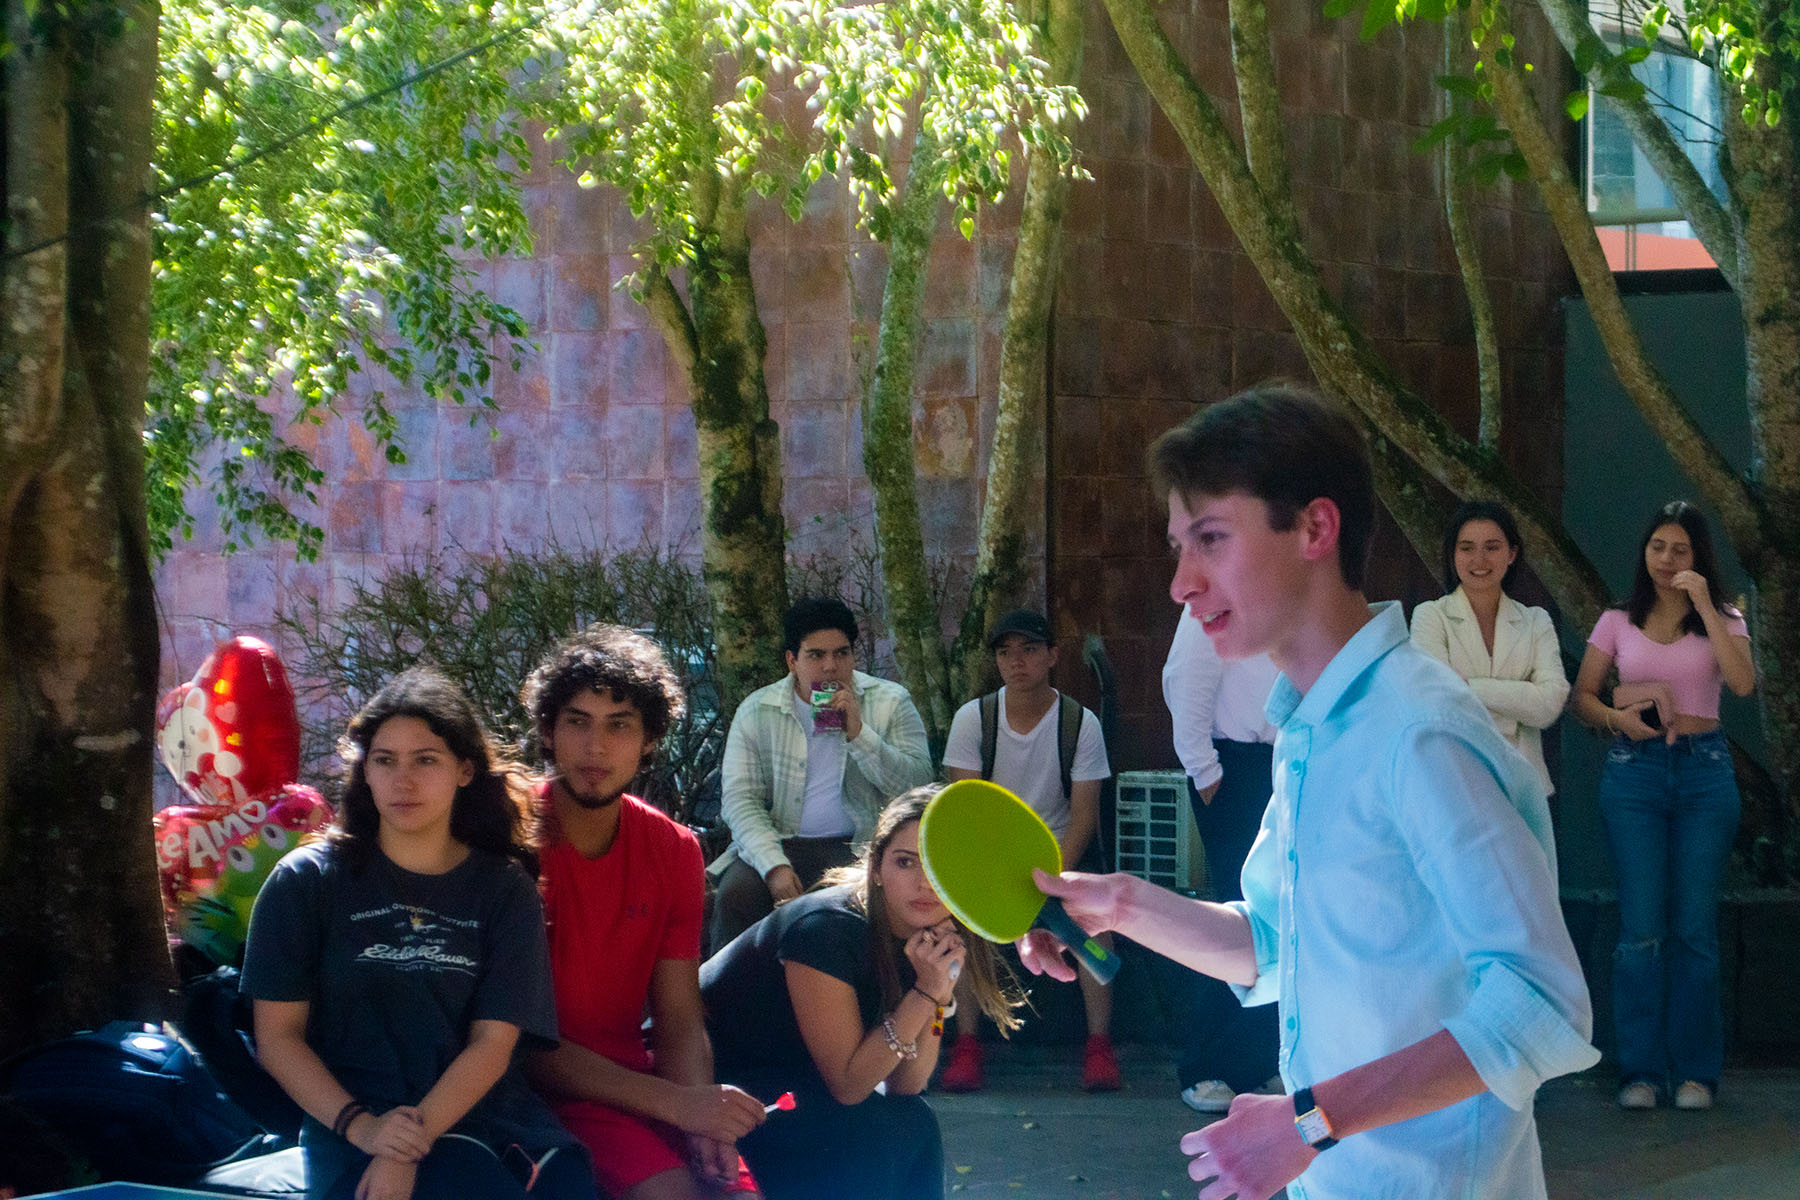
[
  {"x": 822, "y": 812},
  {"x": 1027, "y": 764}
]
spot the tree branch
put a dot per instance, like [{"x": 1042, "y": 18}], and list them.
[
  {"x": 1468, "y": 253},
  {"x": 888, "y": 444},
  {"x": 1253, "y": 63},
  {"x": 671, "y": 316},
  {"x": 1692, "y": 450},
  {"x": 1017, "y": 455},
  {"x": 1340, "y": 354},
  {"x": 1712, "y": 224}
]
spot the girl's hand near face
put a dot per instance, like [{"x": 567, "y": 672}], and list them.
[
  {"x": 933, "y": 952},
  {"x": 1693, "y": 585}
]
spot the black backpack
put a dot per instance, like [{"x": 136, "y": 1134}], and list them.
[
  {"x": 133, "y": 1101},
  {"x": 1068, "y": 734}
]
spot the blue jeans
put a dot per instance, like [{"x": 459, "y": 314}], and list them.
[{"x": 1670, "y": 813}]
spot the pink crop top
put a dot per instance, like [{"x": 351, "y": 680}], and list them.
[{"x": 1687, "y": 664}]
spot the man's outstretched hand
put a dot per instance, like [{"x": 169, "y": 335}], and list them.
[
  {"x": 1253, "y": 1153},
  {"x": 1094, "y": 902}
]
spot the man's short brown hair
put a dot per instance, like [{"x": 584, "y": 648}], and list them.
[{"x": 1285, "y": 445}]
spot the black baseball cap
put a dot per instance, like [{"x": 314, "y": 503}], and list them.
[{"x": 1022, "y": 621}]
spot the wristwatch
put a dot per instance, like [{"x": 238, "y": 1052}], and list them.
[{"x": 1311, "y": 1121}]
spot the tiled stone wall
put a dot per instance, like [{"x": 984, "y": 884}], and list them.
[{"x": 1157, "y": 309}]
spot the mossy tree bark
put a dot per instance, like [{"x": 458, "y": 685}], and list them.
[
  {"x": 717, "y": 338},
  {"x": 887, "y": 418},
  {"x": 1015, "y": 464},
  {"x": 1763, "y": 176},
  {"x": 1409, "y": 437},
  {"x": 83, "y": 936}
]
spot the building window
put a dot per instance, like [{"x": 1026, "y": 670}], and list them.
[{"x": 1639, "y": 225}]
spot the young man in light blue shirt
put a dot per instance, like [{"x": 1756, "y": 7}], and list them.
[{"x": 1400, "y": 901}]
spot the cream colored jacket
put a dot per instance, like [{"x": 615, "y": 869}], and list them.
[{"x": 1521, "y": 684}]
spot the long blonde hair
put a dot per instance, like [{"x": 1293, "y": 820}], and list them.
[{"x": 996, "y": 989}]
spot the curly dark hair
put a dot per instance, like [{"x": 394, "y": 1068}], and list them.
[
  {"x": 488, "y": 812},
  {"x": 604, "y": 658}
]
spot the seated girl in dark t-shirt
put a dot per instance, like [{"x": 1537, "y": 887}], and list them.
[
  {"x": 395, "y": 968},
  {"x": 839, "y": 991}
]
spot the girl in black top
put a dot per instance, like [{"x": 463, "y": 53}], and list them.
[
  {"x": 396, "y": 967},
  {"x": 836, "y": 992}
]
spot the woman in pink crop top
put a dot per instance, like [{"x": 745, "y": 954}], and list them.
[{"x": 1669, "y": 801}]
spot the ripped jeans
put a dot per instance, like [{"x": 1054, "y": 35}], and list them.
[{"x": 1670, "y": 814}]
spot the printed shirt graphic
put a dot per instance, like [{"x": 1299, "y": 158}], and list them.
[{"x": 397, "y": 966}]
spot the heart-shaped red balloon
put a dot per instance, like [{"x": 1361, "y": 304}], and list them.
[{"x": 233, "y": 731}]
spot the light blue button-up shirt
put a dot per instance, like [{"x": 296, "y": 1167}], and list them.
[{"x": 1403, "y": 882}]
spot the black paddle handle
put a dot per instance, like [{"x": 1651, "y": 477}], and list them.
[{"x": 1101, "y": 963}]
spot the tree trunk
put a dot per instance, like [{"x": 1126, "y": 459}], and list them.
[
  {"x": 83, "y": 938},
  {"x": 1764, "y": 176},
  {"x": 888, "y": 449},
  {"x": 1408, "y": 431},
  {"x": 1000, "y": 582},
  {"x": 720, "y": 345}
]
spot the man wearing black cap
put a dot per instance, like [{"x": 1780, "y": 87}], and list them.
[{"x": 1047, "y": 749}]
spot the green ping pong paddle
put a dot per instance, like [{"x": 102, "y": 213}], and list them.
[{"x": 979, "y": 843}]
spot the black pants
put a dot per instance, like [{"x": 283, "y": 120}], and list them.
[
  {"x": 743, "y": 898},
  {"x": 1217, "y": 1037},
  {"x": 459, "y": 1169},
  {"x": 886, "y": 1148}
]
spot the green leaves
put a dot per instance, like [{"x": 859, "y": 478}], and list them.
[
  {"x": 674, "y": 99},
  {"x": 286, "y": 286}
]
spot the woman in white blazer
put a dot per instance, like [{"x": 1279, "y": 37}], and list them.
[{"x": 1506, "y": 651}]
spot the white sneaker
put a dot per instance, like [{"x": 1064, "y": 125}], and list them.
[
  {"x": 1693, "y": 1095},
  {"x": 1638, "y": 1095},
  {"x": 1208, "y": 1096}
]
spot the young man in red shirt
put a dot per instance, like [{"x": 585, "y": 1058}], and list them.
[{"x": 623, "y": 894}]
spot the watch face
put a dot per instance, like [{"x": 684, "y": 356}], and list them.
[{"x": 1313, "y": 1126}]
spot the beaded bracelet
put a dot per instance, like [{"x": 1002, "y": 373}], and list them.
[
  {"x": 347, "y": 1116},
  {"x": 905, "y": 1050},
  {"x": 938, "y": 1011}
]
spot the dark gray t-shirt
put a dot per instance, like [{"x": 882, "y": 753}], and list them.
[
  {"x": 396, "y": 967},
  {"x": 749, "y": 1014}
]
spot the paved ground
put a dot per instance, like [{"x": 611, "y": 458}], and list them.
[{"x": 1033, "y": 1133}]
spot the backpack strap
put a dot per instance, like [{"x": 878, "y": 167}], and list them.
[
  {"x": 990, "y": 732},
  {"x": 1068, "y": 736}
]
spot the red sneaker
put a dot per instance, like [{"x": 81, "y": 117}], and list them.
[
  {"x": 964, "y": 1074},
  {"x": 1099, "y": 1065}
]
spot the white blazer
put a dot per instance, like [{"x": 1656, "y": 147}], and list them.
[{"x": 1521, "y": 684}]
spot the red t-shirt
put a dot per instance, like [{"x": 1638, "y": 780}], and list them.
[{"x": 612, "y": 918}]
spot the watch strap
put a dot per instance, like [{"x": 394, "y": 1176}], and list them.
[{"x": 1313, "y": 1125}]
